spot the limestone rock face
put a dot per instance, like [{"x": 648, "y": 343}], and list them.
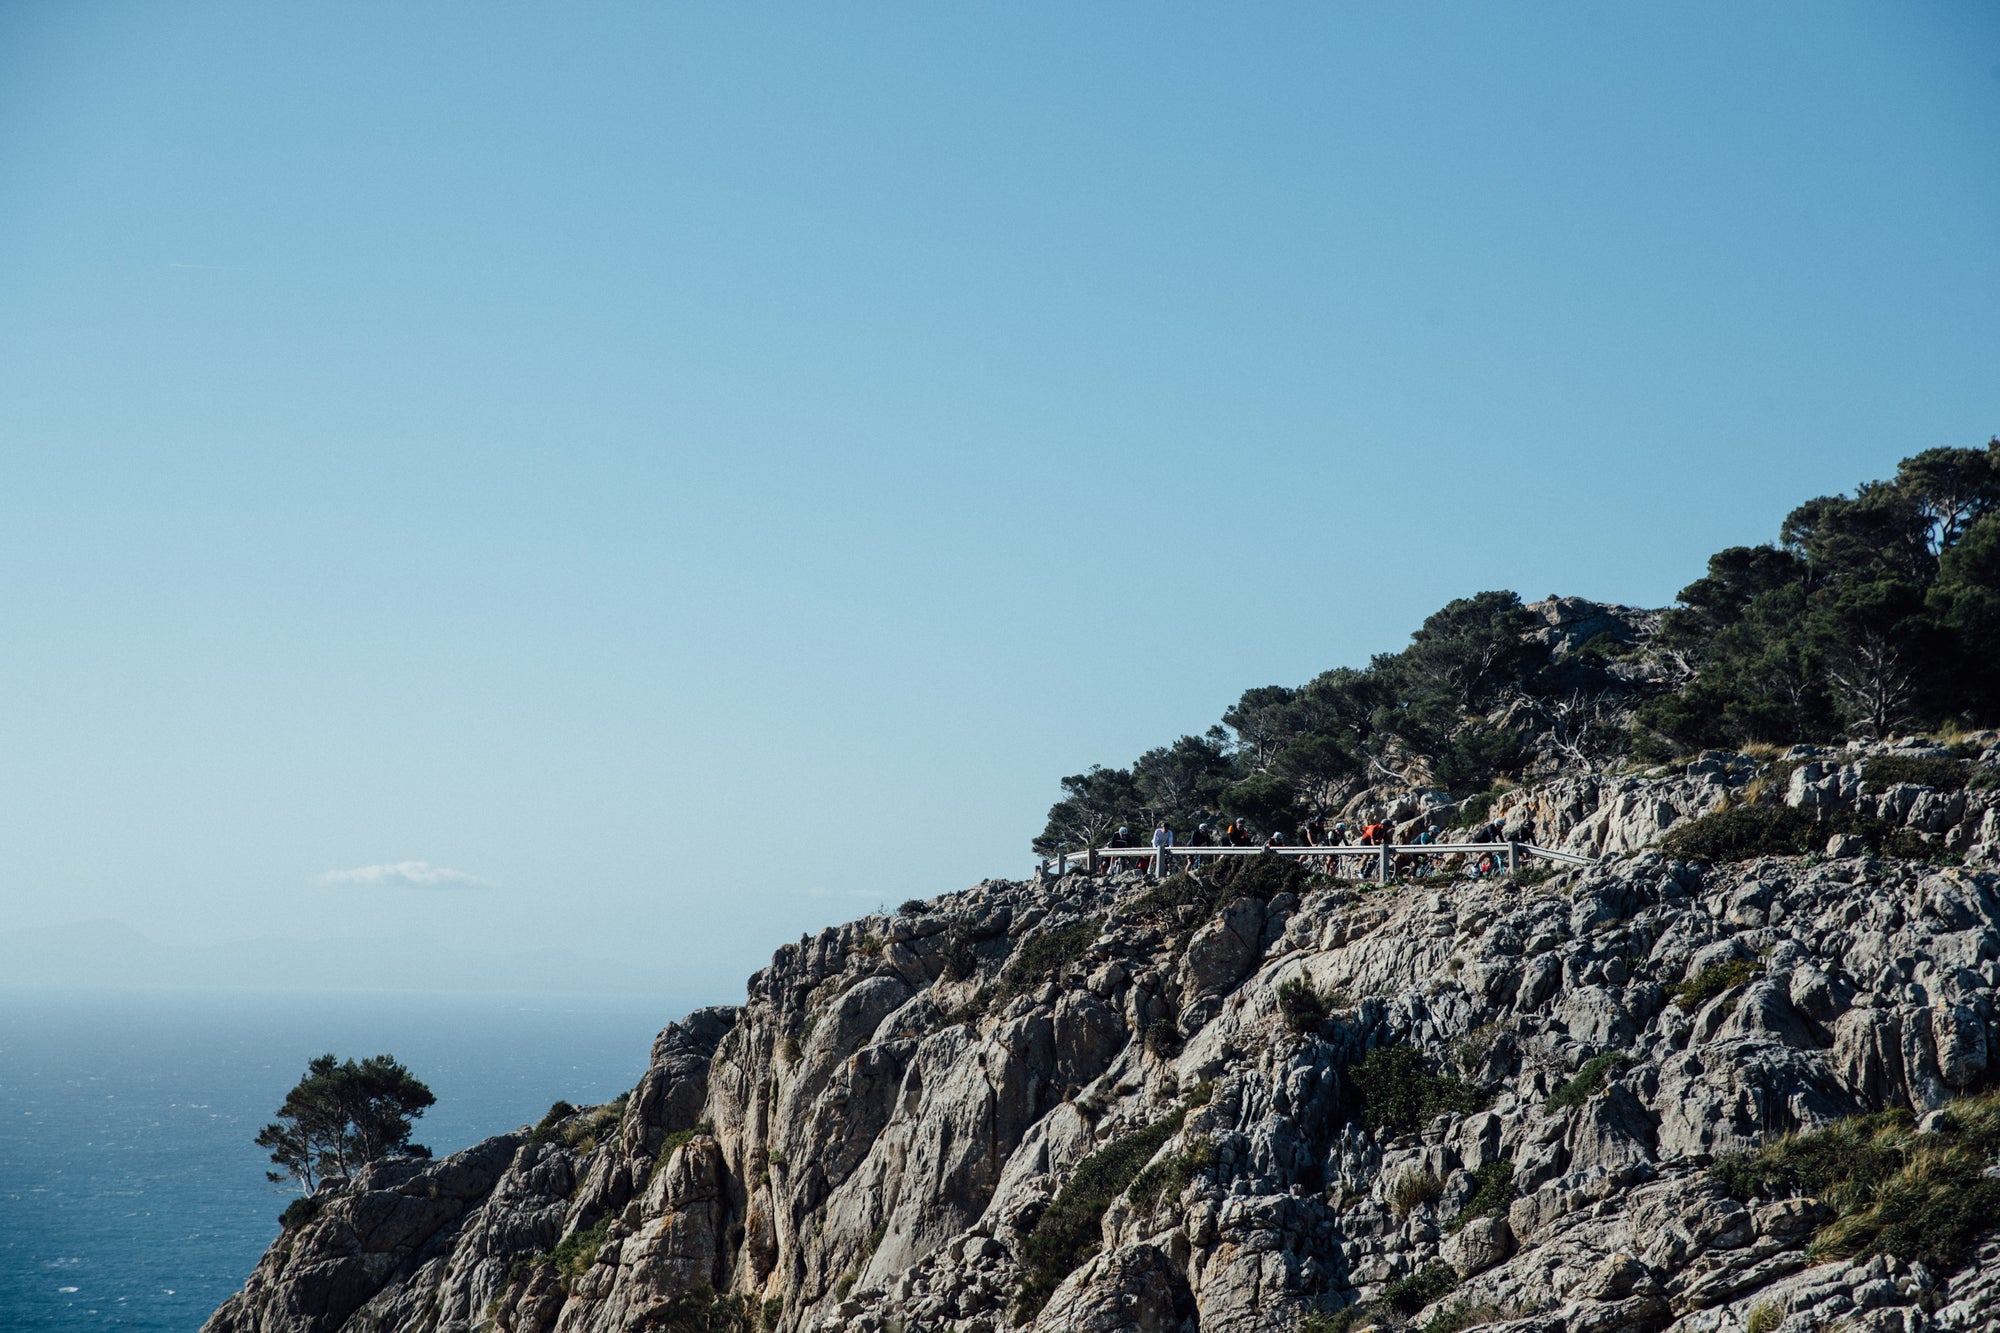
[{"x": 875, "y": 1138}]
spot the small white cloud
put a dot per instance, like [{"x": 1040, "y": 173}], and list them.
[{"x": 405, "y": 875}]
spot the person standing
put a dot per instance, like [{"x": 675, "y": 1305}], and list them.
[{"x": 1163, "y": 838}]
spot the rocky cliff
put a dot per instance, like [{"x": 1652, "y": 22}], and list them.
[{"x": 1654, "y": 1093}]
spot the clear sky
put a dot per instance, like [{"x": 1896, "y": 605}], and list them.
[{"x": 688, "y": 474}]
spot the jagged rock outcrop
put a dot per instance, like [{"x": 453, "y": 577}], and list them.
[{"x": 896, "y": 1127}]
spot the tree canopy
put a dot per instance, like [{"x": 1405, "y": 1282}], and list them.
[
  {"x": 1871, "y": 613},
  {"x": 343, "y": 1115}
]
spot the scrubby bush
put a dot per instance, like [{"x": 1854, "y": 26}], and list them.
[
  {"x": 914, "y": 907},
  {"x": 1168, "y": 1177},
  {"x": 961, "y": 959},
  {"x": 1493, "y": 1190},
  {"x": 1472, "y": 811},
  {"x": 1461, "y": 1315},
  {"x": 1047, "y": 952},
  {"x": 545, "y": 1128},
  {"x": 1744, "y": 831},
  {"x": 1414, "y": 1190},
  {"x": 1163, "y": 1040},
  {"x": 1419, "y": 1289},
  {"x": 1588, "y": 1080},
  {"x": 706, "y": 1310},
  {"x": 1924, "y": 770},
  {"x": 1068, "y": 1233},
  {"x": 673, "y": 1142},
  {"x": 1893, "y": 1190},
  {"x": 576, "y": 1252},
  {"x": 1710, "y": 982},
  {"x": 299, "y": 1212},
  {"x": 1263, "y": 877},
  {"x": 1304, "y": 1008},
  {"x": 1399, "y": 1095},
  {"x": 1741, "y": 832}
]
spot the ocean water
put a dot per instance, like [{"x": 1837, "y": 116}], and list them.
[{"x": 131, "y": 1193}]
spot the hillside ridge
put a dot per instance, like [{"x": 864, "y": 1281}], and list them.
[{"x": 1259, "y": 1098}]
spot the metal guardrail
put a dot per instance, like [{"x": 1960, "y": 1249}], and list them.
[{"x": 1093, "y": 858}]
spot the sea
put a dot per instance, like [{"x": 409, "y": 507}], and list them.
[{"x": 132, "y": 1194}]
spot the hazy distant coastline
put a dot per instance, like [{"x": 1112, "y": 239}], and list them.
[{"x": 102, "y": 955}]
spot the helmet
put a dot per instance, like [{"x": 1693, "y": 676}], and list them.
[{"x": 1123, "y": 829}]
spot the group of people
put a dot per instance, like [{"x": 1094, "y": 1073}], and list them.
[{"x": 1316, "y": 832}]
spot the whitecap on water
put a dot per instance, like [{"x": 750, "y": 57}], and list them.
[{"x": 66, "y": 1290}]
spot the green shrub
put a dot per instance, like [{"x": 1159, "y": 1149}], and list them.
[
  {"x": 1588, "y": 1080},
  {"x": 1924, "y": 770},
  {"x": 1163, "y": 1040},
  {"x": 842, "y": 1285},
  {"x": 914, "y": 907},
  {"x": 1892, "y": 1190},
  {"x": 1866, "y": 1148},
  {"x": 1764, "y": 1319},
  {"x": 1414, "y": 1190},
  {"x": 1493, "y": 1191},
  {"x": 1472, "y": 811},
  {"x": 1414, "y": 1292},
  {"x": 1045, "y": 953},
  {"x": 705, "y": 1310},
  {"x": 299, "y": 1212},
  {"x": 961, "y": 959},
  {"x": 1167, "y": 1178},
  {"x": 1069, "y": 1232},
  {"x": 1399, "y": 1095},
  {"x": 1710, "y": 982},
  {"x": 1304, "y": 1008},
  {"x": 774, "y": 1310},
  {"x": 1605, "y": 646},
  {"x": 1322, "y": 1321},
  {"x": 545, "y": 1129},
  {"x": 1744, "y": 831},
  {"x": 972, "y": 1010},
  {"x": 1263, "y": 877},
  {"x": 1461, "y": 1315},
  {"x": 1741, "y": 832},
  {"x": 679, "y": 1137},
  {"x": 576, "y": 1252},
  {"x": 524, "y": 1265}
]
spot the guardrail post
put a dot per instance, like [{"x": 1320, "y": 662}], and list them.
[
  {"x": 1513, "y": 857},
  {"x": 1090, "y": 862},
  {"x": 1159, "y": 863},
  {"x": 1062, "y": 864},
  {"x": 1382, "y": 863}
]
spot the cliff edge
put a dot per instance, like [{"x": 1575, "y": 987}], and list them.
[{"x": 1667, "y": 1091}]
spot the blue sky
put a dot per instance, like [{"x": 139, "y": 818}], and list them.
[{"x": 703, "y": 471}]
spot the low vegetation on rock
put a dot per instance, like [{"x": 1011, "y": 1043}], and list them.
[
  {"x": 1589, "y": 1080},
  {"x": 1068, "y": 1233},
  {"x": 1893, "y": 1188},
  {"x": 1400, "y": 1095}
]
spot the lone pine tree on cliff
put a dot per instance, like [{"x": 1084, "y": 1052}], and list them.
[{"x": 343, "y": 1115}]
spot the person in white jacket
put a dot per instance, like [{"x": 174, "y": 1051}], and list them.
[{"x": 1163, "y": 838}]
